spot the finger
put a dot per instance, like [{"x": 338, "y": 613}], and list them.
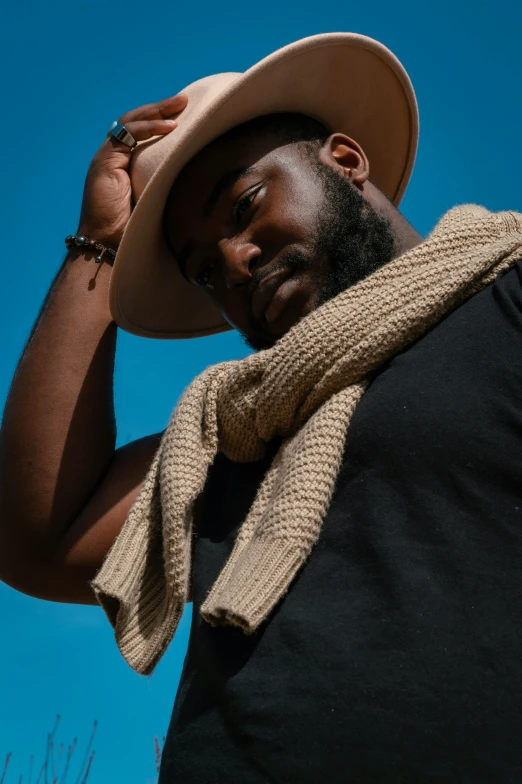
[
  {"x": 116, "y": 155},
  {"x": 156, "y": 111},
  {"x": 143, "y": 130}
]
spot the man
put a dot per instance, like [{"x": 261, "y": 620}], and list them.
[{"x": 343, "y": 505}]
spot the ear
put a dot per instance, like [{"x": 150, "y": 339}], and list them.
[{"x": 347, "y": 157}]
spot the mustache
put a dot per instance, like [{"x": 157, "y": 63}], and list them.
[{"x": 289, "y": 261}]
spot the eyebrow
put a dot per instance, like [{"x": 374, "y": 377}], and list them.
[{"x": 225, "y": 182}]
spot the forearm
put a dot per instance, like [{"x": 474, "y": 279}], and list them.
[
  {"x": 64, "y": 492},
  {"x": 58, "y": 431}
]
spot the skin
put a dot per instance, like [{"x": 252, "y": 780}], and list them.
[
  {"x": 232, "y": 251},
  {"x": 65, "y": 491}
]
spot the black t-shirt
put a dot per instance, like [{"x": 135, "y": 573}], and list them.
[{"x": 396, "y": 655}]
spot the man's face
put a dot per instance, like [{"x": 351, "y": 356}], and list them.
[{"x": 270, "y": 234}]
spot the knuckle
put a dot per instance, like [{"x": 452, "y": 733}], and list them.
[
  {"x": 136, "y": 114},
  {"x": 133, "y": 126}
]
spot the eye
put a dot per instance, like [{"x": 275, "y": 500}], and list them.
[
  {"x": 203, "y": 277},
  {"x": 243, "y": 205}
]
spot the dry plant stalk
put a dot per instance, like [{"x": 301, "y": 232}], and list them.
[{"x": 56, "y": 767}]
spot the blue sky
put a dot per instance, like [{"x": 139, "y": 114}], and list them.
[{"x": 69, "y": 69}]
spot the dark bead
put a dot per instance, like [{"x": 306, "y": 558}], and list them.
[
  {"x": 79, "y": 240},
  {"x": 98, "y": 259}
]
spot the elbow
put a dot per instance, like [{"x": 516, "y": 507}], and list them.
[
  {"x": 45, "y": 576},
  {"x": 21, "y": 574},
  {"x": 21, "y": 567}
]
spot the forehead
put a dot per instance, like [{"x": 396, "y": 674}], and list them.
[{"x": 230, "y": 153}]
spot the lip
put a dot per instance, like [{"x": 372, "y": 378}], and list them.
[{"x": 265, "y": 291}]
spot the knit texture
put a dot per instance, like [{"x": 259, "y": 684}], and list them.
[{"x": 304, "y": 390}]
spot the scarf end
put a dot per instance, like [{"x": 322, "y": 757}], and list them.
[
  {"x": 144, "y": 623},
  {"x": 260, "y": 575}
]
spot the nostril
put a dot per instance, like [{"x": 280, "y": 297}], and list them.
[{"x": 254, "y": 261}]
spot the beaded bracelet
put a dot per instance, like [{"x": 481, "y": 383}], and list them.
[{"x": 78, "y": 241}]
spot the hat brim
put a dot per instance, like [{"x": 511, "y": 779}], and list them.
[{"x": 350, "y": 83}]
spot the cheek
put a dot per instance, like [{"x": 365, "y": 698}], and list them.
[
  {"x": 296, "y": 209},
  {"x": 282, "y": 224}
]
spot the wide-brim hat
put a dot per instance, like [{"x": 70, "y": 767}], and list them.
[{"x": 350, "y": 83}]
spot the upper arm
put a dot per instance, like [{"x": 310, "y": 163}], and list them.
[{"x": 65, "y": 574}]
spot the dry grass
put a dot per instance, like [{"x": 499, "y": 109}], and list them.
[{"x": 58, "y": 764}]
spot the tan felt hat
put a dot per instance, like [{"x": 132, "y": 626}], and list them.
[{"x": 350, "y": 83}]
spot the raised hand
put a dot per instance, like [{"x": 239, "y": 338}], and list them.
[{"x": 106, "y": 205}]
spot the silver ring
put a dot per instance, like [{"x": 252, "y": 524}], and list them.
[{"x": 120, "y": 132}]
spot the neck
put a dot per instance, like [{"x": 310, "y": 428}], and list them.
[{"x": 406, "y": 237}]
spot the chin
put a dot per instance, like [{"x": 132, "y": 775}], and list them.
[{"x": 299, "y": 303}]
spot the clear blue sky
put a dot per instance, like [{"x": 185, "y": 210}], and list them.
[{"x": 69, "y": 69}]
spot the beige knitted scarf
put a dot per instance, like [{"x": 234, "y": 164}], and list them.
[{"x": 303, "y": 390}]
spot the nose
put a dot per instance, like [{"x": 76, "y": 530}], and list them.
[{"x": 238, "y": 259}]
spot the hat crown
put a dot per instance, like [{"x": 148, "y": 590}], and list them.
[
  {"x": 349, "y": 82},
  {"x": 148, "y": 155}
]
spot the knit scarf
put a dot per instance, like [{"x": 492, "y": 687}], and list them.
[{"x": 303, "y": 390}]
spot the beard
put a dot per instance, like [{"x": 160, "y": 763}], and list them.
[{"x": 353, "y": 238}]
